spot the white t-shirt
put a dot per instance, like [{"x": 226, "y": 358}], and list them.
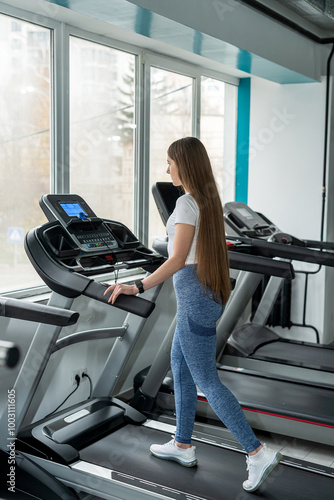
[{"x": 186, "y": 212}]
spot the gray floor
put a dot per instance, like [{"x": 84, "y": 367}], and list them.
[{"x": 297, "y": 448}]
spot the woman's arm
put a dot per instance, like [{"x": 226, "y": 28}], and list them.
[{"x": 184, "y": 235}]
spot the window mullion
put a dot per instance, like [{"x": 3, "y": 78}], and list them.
[
  {"x": 142, "y": 174},
  {"x": 196, "y": 111},
  {"x": 61, "y": 114}
]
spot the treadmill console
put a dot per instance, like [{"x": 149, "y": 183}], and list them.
[
  {"x": 66, "y": 208},
  {"x": 76, "y": 245},
  {"x": 242, "y": 220},
  {"x": 78, "y": 240},
  {"x": 87, "y": 231}
]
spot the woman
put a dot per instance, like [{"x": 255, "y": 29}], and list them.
[{"x": 198, "y": 262}]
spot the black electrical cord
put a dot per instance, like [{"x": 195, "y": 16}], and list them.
[
  {"x": 324, "y": 180},
  {"x": 304, "y": 324},
  {"x": 77, "y": 379},
  {"x": 85, "y": 375}
]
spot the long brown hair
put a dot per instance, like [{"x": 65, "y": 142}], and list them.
[{"x": 196, "y": 176}]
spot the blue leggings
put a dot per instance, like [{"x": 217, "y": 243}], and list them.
[{"x": 193, "y": 361}]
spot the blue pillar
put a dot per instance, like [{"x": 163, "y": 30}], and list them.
[{"x": 242, "y": 153}]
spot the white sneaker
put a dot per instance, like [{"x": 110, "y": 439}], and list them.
[
  {"x": 170, "y": 451},
  {"x": 259, "y": 467}
]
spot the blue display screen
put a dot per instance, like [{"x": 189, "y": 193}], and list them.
[{"x": 73, "y": 210}]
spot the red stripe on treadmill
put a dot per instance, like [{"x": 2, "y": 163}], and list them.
[{"x": 200, "y": 398}]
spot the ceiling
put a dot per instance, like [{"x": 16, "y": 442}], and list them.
[
  {"x": 313, "y": 17},
  {"x": 131, "y": 19}
]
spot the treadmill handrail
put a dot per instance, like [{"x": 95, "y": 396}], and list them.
[
  {"x": 260, "y": 265},
  {"x": 29, "y": 311},
  {"x": 243, "y": 261},
  {"x": 130, "y": 303},
  {"x": 39, "y": 313},
  {"x": 87, "y": 335},
  {"x": 9, "y": 354},
  {"x": 292, "y": 252},
  {"x": 324, "y": 245}
]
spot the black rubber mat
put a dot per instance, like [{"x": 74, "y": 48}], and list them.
[{"x": 218, "y": 475}]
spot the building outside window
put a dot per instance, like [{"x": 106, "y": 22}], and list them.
[
  {"x": 102, "y": 128},
  {"x": 170, "y": 119},
  {"x": 103, "y": 139},
  {"x": 24, "y": 143}
]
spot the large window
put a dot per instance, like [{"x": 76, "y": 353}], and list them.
[
  {"x": 218, "y": 132},
  {"x": 117, "y": 109},
  {"x": 24, "y": 143},
  {"x": 171, "y": 118},
  {"x": 102, "y": 120}
]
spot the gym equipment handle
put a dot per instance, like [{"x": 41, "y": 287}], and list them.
[
  {"x": 9, "y": 354},
  {"x": 129, "y": 303},
  {"x": 260, "y": 265},
  {"x": 39, "y": 313}
]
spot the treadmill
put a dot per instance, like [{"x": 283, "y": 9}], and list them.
[
  {"x": 101, "y": 446},
  {"x": 255, "y": 340},
  {"x": 293, "y": 399},
  {"x": 24, "y": 479},
  {"x": 253, "y": 233}
]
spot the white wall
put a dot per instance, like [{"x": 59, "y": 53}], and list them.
[
  {"x": 285, "y": 179},
  {"x": 286, "y": 155}
]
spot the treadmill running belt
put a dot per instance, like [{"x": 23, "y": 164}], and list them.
[
  {"x": 218, "y": 475},
  {"x": 317, "y": 357},
  {"x": 285, "y": 397}
]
